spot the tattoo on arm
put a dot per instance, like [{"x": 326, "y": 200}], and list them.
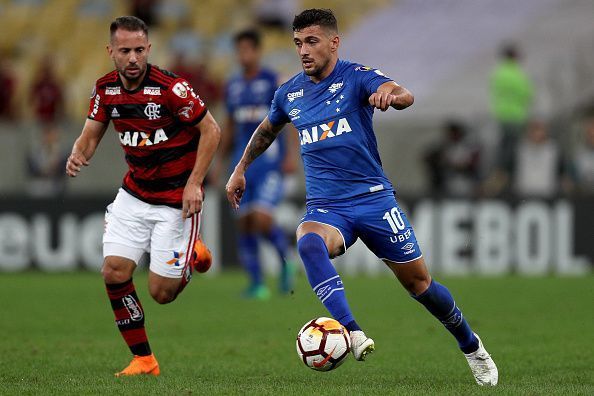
[{"x": 259, "y": 142}]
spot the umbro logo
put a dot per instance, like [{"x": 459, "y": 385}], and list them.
[
  {"x": 323, "y": 290},
  {"x": 293, "y": 114},
  {"x": 408, "y": 246}
]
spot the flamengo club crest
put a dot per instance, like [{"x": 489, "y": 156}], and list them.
[{"x": 152, "y": 111}]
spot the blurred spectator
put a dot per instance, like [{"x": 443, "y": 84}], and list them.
[
  {"x": 187, "y": 41},
  {"x": 8, "y": 84},
  {"x": 145, "y": 10},
  {"x": 46, "y": 162},
  {"x": 539, "y": 168},
  {"x": 511, "y": 100},
  {"x": 583, "y": 162},
  {"x": 453, "y": 163},
  {"x": 275, "y": 13},
  {"x": 47, "y": 94},
  {"x": 199, "y": 78}
]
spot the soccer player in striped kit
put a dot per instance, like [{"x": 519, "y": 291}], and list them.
[
  {"x": 331, "y": 103},
  {"x": 169, "y": 139}
]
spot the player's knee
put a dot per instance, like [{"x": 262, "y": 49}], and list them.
[
  {"x": 262, "y": 223},
  {"x": 112, "y": 274},
  {"x": 417, "y": 284},
  {"x": 163, "y": 296},
  {"x": 310, "y": 246}
]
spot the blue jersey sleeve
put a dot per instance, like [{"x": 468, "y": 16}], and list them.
[
  {"x": 369, "y": 79},
  {"x": 277, "y": 115}
]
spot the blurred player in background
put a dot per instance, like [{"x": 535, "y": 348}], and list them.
[
  {"x": 159, "y": 120},
  {"x": 247, "y": 96},
  {"x": 331, "y": 103}
]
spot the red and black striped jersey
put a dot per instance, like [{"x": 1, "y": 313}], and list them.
[{"x": 156, "y": 126}]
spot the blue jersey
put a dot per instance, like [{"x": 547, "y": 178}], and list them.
[
  {"x": 334, "y": 120},
  {"x": 247, "y": 102}
]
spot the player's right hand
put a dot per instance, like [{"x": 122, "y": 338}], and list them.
[
  {"x": 74, "y": 164},
  {"x": 235, "y": 188},
  {"x": 382, "y": 100}
]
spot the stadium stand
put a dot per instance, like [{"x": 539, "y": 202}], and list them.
[{"x": 438, "y": 48}]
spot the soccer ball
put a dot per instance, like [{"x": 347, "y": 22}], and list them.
[{"x": 323, "y": 344}]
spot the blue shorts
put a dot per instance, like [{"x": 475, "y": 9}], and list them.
[
  {"x": 376, "y": 218},
  {"x": 264, "y": 190}
]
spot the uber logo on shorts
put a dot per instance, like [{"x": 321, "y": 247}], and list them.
[{"x": 401, "y": 238}]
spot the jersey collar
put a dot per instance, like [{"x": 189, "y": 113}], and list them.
[{"x": 142, "y": 83}]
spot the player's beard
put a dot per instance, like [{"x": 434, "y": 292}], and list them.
[
  {"x": 316, "y": 70},
  {"x": 133, "y": 74}
]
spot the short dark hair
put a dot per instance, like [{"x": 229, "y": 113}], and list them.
[
  {"x": 129, "y": 23},
  {"x": 315, "y": 16},
  {"x": 251, "y": 35}
]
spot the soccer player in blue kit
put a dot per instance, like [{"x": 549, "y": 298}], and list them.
[
  {"x": 247, "y": 97},
  {"x": 331, "y": 104}
]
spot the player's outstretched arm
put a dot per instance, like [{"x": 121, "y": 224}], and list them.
[
  {"x": 261, "y": 139},
  {"x": 391, "y": 94},
  {"x": 84, "y": 147},
  {"x": 210, "y": 136}
]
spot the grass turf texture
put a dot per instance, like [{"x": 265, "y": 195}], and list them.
[{"x": 58, "y": 337}]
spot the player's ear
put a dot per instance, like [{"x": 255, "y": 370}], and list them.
[
  {"x": 109, "y": 49},
  {"x": 335, "y": 43}
]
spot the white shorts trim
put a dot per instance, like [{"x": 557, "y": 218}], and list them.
[
  {"x": 119, "y": 250},
  {"x": 401, "y": 262}
]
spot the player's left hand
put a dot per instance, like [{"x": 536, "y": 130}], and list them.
[
  {"x": 382, "y": 100},
  {"x": 235, "y": 188},
  {"x": 192, "y": 200}
]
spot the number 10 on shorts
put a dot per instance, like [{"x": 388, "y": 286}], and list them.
[{"x": 394, "y": 218}]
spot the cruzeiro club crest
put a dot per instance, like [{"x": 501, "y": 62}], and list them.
[{"x": 152, "y": 111}]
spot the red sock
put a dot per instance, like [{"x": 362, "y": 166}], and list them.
[
  {"x": 129, "y": 316},
  {"x": 186, "y": 278}
]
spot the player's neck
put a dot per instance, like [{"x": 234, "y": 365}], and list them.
[
  {"x": 132, "y": 85},
  {"x": 251, "y": 72},
  {"x": 326, "y": 72}
]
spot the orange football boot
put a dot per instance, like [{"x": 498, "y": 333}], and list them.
[
  {"x": 141, "y": 365},
  {"x": 201, "y": 257}
]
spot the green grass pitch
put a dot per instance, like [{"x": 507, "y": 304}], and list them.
[{"x": 57, "y": 336}]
